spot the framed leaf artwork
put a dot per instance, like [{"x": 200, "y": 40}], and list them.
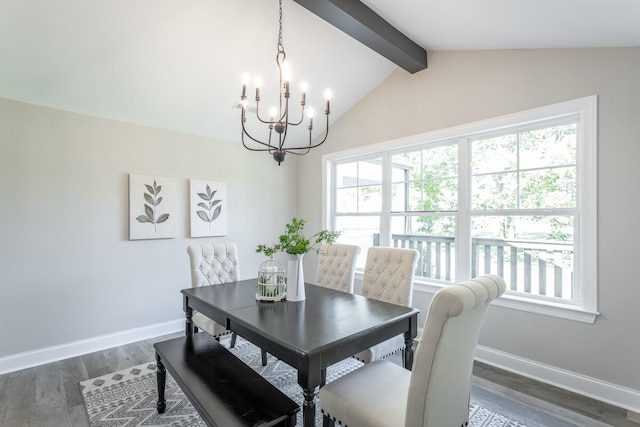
[
  {"x": 152, "y": 207},
  {"x": 208, "y": 207}
]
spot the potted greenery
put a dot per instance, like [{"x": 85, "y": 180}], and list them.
[{"x": 295, "y": 245}]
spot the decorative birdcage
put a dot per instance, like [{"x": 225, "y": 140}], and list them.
[{"x": 271, "y": 281}]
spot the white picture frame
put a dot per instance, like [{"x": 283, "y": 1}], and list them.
[
  {"x": 152, "y": 207},
  {"x": 208, "y": 208}
]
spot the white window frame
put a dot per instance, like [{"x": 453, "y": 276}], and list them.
[{"x": 586, "y": 309}]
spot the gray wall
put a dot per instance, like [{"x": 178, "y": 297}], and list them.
[
  {"x": 67, "y": 269},
  {"x": 463, "y": 87}
]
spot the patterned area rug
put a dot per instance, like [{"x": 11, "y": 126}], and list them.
[{"x": 128, "y": 397}]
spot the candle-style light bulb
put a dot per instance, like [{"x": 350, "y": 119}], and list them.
[
  {"x": 286, "y": 72},
  {"x": 311, "y": 114},
  {"x": 327, "y": 94},
  {"x": 258, "y": 84},
  {"x": 303, "y": 88},
  {"x": 245, "y": 80}
]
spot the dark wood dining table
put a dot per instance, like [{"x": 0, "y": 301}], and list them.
[{"x": 310, "y": 335}]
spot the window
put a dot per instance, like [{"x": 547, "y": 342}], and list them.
[{"x": 513, "y": 196}]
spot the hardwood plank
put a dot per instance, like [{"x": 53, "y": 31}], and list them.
[
  {"x": 48, "y": 384},
  {"x": 18, "y": 402},
  {"x": 50, "y": 413},
  {"x": 553, "y": 399},
  {"x": 96, "y": 364},
  {"x": 50, "y": 398},
  {"x": 72, "y": 371},
  {"x": 117, "y": 359}
]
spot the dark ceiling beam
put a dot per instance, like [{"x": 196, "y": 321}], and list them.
[{"x": 363, "y": 24}]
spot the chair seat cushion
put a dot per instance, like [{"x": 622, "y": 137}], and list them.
[
  {"x": 377, "y": 396},
  {"x": 212, "y": 328},
  {"x": 382, "y": 350}
]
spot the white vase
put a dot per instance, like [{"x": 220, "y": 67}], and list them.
[{"x": 295, "y": 278}]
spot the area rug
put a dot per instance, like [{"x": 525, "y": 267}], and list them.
[{"x": 128, "y": 397}]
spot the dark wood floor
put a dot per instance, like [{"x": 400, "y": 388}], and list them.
[
  {"x": 540, "y": 405},
  {"x": 49, "y": 395}
]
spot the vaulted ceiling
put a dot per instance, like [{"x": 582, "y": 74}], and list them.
[{"x": 178, "y": 64}]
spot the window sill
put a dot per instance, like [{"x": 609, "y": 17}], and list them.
[{"x": 518, "y": 302}]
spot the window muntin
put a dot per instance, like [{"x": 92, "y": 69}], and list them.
[
  {"x": 359, "y": 187},
  {"x": 425, "y": 180},
  {"x": 358, "y": 203},
  {"x": 529, "y": 169},
  {"x": 539, "y": 167}
]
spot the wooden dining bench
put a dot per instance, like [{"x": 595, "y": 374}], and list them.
[{"x": 224, "y": 390}]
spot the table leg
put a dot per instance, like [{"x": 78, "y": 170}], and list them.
[
  {"x": 188, "y": 311},
  {"x": 308, "y": 408},
  {"x": 408, "y": 351},
  {"x": 161, "y": 375}
]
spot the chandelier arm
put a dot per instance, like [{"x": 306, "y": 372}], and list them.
[
  {"x": 260, "y": 119},
  {"x": 308, "y": 149},
  {"x": 244, "y": 143},
  {"x": 269, "y": 148},
  {"x": 301, "y": 118},
  {"x": 310, "y": 146}
]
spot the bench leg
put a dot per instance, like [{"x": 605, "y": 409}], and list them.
[
  {"x": 264, "y": 357},
  {"x": 161, "y": 375}
]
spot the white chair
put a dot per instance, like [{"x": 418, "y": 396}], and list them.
[
  {"x": 388, "y": 276},
  {"x": 337, "y": 266},
  {"x": 212, "y": 264},
  {"x": 437, "y": 392}
]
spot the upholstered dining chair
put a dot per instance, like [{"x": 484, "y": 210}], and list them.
[
  {"x": 436, "y": 392},
  {"x": 212, "y": 264},
  {"x": 388, "y": 276},
  {"x": 337, "y": 266}
]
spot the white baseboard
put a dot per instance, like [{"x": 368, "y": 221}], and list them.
[
  {"x": 41, "y": 356},
  {"x": 613, "y": 394}
]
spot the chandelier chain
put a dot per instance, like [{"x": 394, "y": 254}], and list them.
[{"x": 280, "y": 27}]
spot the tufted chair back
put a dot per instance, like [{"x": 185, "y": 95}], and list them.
[
  {"x": 436, "y": 392},
  {"x": 440, "y": 384},
  {"x": 388, "y": 274},
  {"x": 212, "y": 264},
  {"x": 337, "y": 266}
]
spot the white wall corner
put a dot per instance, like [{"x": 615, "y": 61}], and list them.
[
  {"x": 16, "y": 362},
  {"x": 603, "y": 391}
]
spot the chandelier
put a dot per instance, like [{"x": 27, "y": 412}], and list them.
[{"x": 276, "y": 143}]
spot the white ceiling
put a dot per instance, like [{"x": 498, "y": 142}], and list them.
[{"x": 178, "y": 64}]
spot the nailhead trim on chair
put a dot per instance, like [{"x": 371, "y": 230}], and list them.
[{"x": 334, "y": 419}]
